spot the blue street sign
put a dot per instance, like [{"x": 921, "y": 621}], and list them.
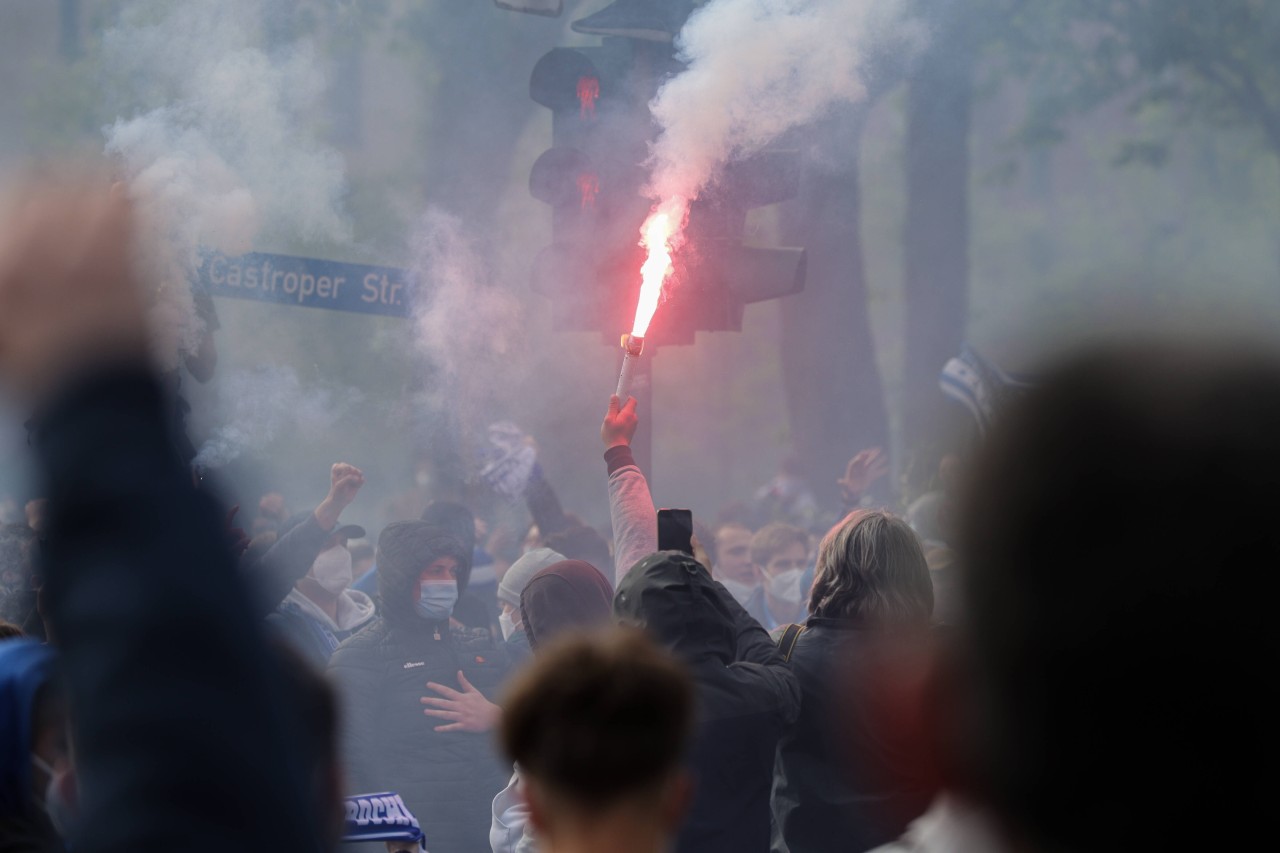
[{"x": 314, "y": 283}]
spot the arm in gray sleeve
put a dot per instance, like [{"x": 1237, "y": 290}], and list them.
[{"x": 635, "y": 523}]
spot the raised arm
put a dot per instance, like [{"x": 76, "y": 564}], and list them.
[
  {"x": 292, "y": 555},
  {"x": 181, "y": 734},
  {"x": 635, "y": 523}
]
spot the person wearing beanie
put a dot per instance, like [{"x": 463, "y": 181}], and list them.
[
  {"x": 567, "y": 596},
  {"x": 509, "y": 590}
]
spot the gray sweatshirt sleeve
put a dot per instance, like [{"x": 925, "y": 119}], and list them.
[{"x": 635, "y": 523}]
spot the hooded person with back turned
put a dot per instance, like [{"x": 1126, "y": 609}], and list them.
[{"x": 746, "y": 696}]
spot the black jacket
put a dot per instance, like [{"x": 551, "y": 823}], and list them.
[
  {"x": 448, "y": 779},
  {"x": 841, "y": 784},
  {"x": 746, "y": 697}
]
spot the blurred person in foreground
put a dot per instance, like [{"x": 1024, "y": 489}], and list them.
[
  {"x": 1117, "y": 536},
  {"x": 445, "y": 770},
  {"x": 598, "y": 726},
  {"x": 840, "y": 783},
  {"x": 567, "y": 596},
  {"x": 182, "y": 731}
]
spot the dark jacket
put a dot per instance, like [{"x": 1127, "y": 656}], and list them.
[
  {"x": 448, "y": 779},
  {"x": 840, "y": 784},
  {"x": 184, "y": 734},
  {"x": 25, "y": 667},
  {"x": 273, "y": 575},
  {"x": 746, "y": 696}
]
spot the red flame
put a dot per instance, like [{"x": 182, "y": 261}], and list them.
[
  {"x": 589, "y": 187},
  {"x": 588, "y": 94},
  {"x": 657, "y": 236}
]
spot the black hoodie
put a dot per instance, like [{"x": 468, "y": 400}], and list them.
[{"x": 746, "y": 696}]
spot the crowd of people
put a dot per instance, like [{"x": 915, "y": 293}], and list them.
[{"x": 1061, "y": 649}]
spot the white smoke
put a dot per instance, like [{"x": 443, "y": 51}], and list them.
[
  {"x": 756, "y": 69},
  {"x": 220, "y": 153},
  {"x": 465, "y": 324},
  {"x": 268, "y": 403}
]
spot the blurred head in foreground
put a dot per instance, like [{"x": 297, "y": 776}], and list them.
[
  {"x": 1118, "y": 537},
  {"x": 598, "y": 726}
]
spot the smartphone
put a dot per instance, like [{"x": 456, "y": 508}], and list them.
[{"x": 675, "y": 530}]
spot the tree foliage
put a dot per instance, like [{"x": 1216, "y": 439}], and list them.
[{"x": 1216, "y": 62}]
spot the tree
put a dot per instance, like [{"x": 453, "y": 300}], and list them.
[
  {"x": 835, "y": 399},
  {"x": 936, "y": 232},
  {"x": 1217, "y": 62}
]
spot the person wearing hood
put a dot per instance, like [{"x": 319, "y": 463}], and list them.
[
  {"x": 322, "y": 609},
  {"x": 447, "y": 774},
  {"x": 475, "y": 606},
  {"x": 510, "y": 589},
  {"x": 747, "y": 698},
  {"x": 569, "y": 595},
  {"x": 34, "y": 758}
]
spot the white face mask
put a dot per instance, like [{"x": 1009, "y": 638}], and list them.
[
  {"x": 508, "y": 624},
  {"x": 785, "y": 586},
  {"x": 332, "y": 569},
  {"x": 739, "y": 590}
]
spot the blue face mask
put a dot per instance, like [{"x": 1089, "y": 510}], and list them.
[{"x": 436, "y": 600}]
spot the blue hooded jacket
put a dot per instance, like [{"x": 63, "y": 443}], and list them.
[{"x": 25, "y": 666}]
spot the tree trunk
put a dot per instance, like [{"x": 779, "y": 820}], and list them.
[
  {"x": 834, "y": 396},
  {"x": 936, "y": 238}
]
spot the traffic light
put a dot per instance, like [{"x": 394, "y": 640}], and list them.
[
  {"x": 593, "y": 178},
  {"x": 716, "y": 273},
  {"x": 592, "y": 175}
]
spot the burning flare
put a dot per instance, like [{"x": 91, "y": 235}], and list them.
[{"x": 657, "y": 236}]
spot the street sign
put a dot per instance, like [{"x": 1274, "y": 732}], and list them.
[{"x": 309, "y": 282}]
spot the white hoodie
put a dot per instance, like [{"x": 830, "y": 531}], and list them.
[{"x": 354, "y": 609}]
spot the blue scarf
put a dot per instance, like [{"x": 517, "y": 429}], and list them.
[{"x": 381, "y": 817}]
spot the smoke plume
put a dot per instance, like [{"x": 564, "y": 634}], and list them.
[
  {"x": 219, "y": 152},
  {"x": 755, "y": 69},
  {"x": 465, "y": 324},
  {"x": 267, "y": 403}
]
